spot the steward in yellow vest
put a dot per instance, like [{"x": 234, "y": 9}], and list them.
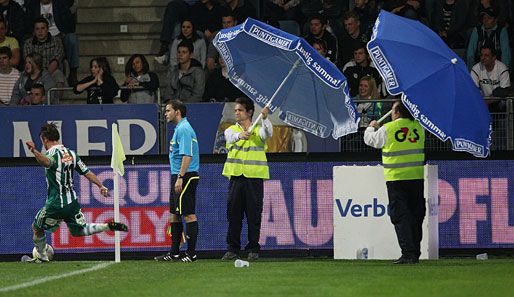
[
  {"x": 403, "y": 156},
  {"x": 247, "y": 168}
]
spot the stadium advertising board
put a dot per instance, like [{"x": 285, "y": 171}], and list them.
[
  {"x": 476, "y": 203},
  {"x": 362, "y": 223},
  {"x": 84, "y": 128}
]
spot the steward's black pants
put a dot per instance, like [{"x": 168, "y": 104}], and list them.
[
  {"x": 407, "y": 209},
  {"x": 245, "y": 196}
]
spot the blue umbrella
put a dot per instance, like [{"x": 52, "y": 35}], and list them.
[
  {"x": 280, "y": 70},
  {"x": 434, "y": 82}
]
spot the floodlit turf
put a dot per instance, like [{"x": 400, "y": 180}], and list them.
[{"x": 268, "y": 277}]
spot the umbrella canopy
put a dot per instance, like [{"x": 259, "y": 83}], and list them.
[
  {"x": 283, "y": 71},
  {"x": 434, "y": 82}
]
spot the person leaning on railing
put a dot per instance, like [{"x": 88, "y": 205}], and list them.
[
  {"x": 138, "y": 74},
  {"x": 101, "y": 87},
  {"x": 33, "y": 74}
]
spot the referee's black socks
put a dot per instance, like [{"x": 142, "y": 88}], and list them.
[
  {"x": 191, "y": 234},
  {"x": 176, "y": 236}
]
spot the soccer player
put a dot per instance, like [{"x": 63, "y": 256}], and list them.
[
  {"x": 185, "y": 161},
  {"x": 61, "y": 204}
]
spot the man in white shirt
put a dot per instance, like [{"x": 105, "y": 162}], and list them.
[
  {"x": 8, "y": 76},
  {"x": 247, "y": 168},
  {"x": 490, "y": 74}
]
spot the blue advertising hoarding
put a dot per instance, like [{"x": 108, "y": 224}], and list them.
[
  {"x": 87, "y": 128},
  {"x": 84, "y": 128},
  {"x": 475, "y": 210}
]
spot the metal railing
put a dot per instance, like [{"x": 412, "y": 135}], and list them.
[
  {"x": 503, "y": 126},
  {"x": 138, "y": 88},
  {"x": 503, "y": 130}
]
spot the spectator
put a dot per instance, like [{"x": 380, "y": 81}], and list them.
[
  {"x": 8, "y": 76},
  {"x": 11, "y": 43},
  {"x": 228, "y": 20},
  {"x": 47, "y": 46},
  {"x": 206, "y": 16},
  {"x": 189, "y": 33},
  {"x": 405, "y": 8},
  {"x": 219, "y": 88},
  {"x": 175, "y": 12},
  {"x": 369, "y": 110},
  {"x": 34, "y": 73},
  {"x": 317, "y": 30},
  {"x": 450, "y": 21},
  {"x": 321, "y": 47},
  {"x": 478, "y": 6},
  {"x": 37, "y": 96},
  {"x": 61, "y": 26},
  {"x": 490, "y": 32},
  {"x": 331, "y": 10},
  {"x": 362, "y": 68},
  {"x": 14, "y": 17},
  {"x": 283, "y": 10},
  {"x": 241, "y": 9},
  {"x": 351, "y": 38},
  {"x": 367, "y": 16},
  {"x": 490, "y": 74},
  {"x": 186, "y": 81},
  {"x": 138, "y": 74},
  {"x": 328, "y": 8},
  {"x": 101, "y": 87}
]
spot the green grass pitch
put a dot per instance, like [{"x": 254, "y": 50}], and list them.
[{"x": 267, "y": 277}]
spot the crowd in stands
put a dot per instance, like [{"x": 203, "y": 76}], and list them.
[{"x": 37, "y": 38}]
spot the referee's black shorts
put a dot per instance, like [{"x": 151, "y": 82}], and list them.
[{"x": 184, "y": 203}]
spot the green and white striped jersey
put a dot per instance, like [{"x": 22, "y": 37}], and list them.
[{"x": 59, "y": 176}]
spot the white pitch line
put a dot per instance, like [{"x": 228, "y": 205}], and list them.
[{"x": 51, "y": 278}]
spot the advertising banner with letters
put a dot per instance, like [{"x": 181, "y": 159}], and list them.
[
  {"x": 476, "y": 207},
  {"x": 362, "y": 226},
  {"x": 83, "y": 128}
]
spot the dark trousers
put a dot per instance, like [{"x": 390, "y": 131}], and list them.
[
  {"x": 407, "y": 209},
  {"x": 245, "y": 196},
  {"x": 175, "y": 13}
]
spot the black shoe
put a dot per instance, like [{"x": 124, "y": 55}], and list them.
[
  {"x": 404, "y": 260},
  {"x": 168, "y": 257},
  {"x": 114, "y": 226},
  {"x": 253, "y": 256},
  {"x": 230, "y": 256},
  {"x": 188, "y": 258}
]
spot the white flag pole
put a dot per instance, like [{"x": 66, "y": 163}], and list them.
[
  {"x": 117, "y": 244},
  {"x": 295, "y": 65}
]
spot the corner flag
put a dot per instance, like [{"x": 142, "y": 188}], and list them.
[{"x": 118, "y": 155}]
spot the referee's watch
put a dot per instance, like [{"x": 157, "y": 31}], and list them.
[{"x": 180, "y": 176}]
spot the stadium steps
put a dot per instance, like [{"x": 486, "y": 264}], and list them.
[{"x": 99, "y": 31}]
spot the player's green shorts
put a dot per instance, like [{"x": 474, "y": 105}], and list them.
[{"x": 49, "y": 218}]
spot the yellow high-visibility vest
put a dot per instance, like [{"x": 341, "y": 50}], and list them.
[
  {"x": 403, "y": 156},
  {"x": 247, "y": 157}
]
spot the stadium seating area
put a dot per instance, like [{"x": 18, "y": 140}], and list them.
[{"x": 118, "y": 29}]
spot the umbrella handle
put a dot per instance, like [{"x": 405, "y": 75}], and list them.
[
  {"x": 385, "y": 116},
  {"x": 295, "y": 65}
]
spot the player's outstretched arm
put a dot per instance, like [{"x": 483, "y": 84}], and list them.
[
  {"x": 92, "y": 178},
  {"x": 41, "y": 159}
]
